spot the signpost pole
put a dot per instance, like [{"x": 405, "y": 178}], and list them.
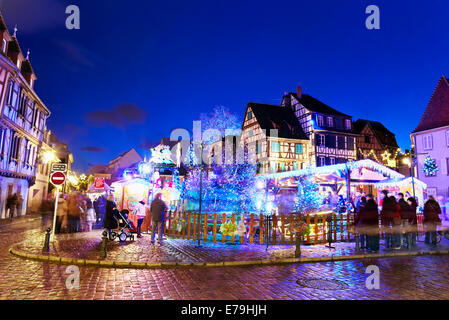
[{"x": 54, "y": 215}]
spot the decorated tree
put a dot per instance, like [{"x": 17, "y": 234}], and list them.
[
  {"x": 309, "y": 199},
  {"x": 191, "y": 159},
  {"x": 221, "y": 119},
  {"x": 430, "y": 167}
]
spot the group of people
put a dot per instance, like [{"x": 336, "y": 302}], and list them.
[
  {"x": 14, "y": 204},
  {"x": 398, "y": 218},
  {"x": 75, "y": 213},
  {"x": 155, "y": 213}
]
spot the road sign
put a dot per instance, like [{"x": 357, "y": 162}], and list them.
[
  {"x": 62, "y": 167},
  {"x": 57, "y": 178},
  {"x": 99, "y": 182}
]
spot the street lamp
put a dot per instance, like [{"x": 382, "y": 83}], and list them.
[{"x": 410, "y": 162}]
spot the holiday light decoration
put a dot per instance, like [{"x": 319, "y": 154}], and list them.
[
  {"x": 386, "y": 156},
  {"x": 392, "y": 183},
  {"x": 430, "y": 167},
  {"x": 341, "y": 167}
]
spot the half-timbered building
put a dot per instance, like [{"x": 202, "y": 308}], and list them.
[
  {"x": 330, "y": 132},
  {"x": 376, "y": 142},
  {"x": 274, "y": 135},
  {"x": 22, "y": 121}
]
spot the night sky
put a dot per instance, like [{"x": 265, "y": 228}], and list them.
[{"x": 138, "y": 69}]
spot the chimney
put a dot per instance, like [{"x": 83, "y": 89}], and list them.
[{"x": 299, "y": 92}]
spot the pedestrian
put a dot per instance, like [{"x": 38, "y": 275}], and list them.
[
  {"x": 139, "y": 211},
  {"x": 412, "y": 223},
  {"x": 369, "y": 222},
  {"x": 359, "y": 228},
  {"x": 405, "y": 209},
  {"x": 100, "y": 209},
  {"x": 432, "y": 211},
  {"x": 109, "y": 222},
  {"x": 397, "y": 222},
  {"x": 90, "y": 215},
  {"x": 61, "y": 215},
  {"x": 158, "y": 209},
  {"x": 11, "y": 204},
  {"x": 386, "y": 215},
  {"x": 74, "y": 212},
  {"x": 19, "y": 205}
]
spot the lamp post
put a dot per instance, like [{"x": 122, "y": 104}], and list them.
[
  {"x": 410, "y": 162},
  {"x": 201, "y": 192}
]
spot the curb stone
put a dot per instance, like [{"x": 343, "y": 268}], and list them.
[{"x": 162, "y": 265}]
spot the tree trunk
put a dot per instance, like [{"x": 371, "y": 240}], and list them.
[{"x": 298, "y": 245}]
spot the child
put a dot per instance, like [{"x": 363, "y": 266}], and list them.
[{"x": 90, "y": 216}]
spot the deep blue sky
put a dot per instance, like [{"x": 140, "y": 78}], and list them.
[{"x": 173, "y": 60}]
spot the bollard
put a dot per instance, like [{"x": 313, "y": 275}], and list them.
[
  {"x": 104, "y": 243},
  {"x": 46, "y": 247}
]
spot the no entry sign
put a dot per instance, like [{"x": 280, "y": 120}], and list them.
[{"x": 57, "y": 178}]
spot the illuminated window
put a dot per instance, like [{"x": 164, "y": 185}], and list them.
[
  {"x": 250, "y": 115},
  {"x": 348, "y": 124},
  {"x": 298, "y": 148},
  {"x": 275, "y": 146}
]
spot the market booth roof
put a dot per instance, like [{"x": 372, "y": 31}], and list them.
[
  {"x": 377, "y": 171},
  {"x": 391, "y": 183}
]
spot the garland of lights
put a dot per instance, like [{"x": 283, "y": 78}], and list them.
[
  {"x": 366, "y": 163},
  {"x": 386, "y": 156},
  {"x": 391, "y": 183}
]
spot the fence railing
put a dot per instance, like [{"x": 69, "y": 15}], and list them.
[{"x": 260, "y": 229}]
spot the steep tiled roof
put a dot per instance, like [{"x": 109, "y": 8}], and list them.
[
  {"x": 26, "y": 67},
  {"x": 385, "y": 136},
  {"x": 276, "y": 117},
  {"x": 315, "y": 105},
  {"x": 2, "y": 24},
  {"x": 13, "y": 46},
  {"x": 437, "y": 112}
]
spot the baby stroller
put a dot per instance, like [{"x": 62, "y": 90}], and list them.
[{"x": 124, "y": 227}]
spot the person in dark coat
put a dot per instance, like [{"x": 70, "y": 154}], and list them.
[
  {"x": 412, "y": 223},
  {"x": 100, "y": 210},
  {"x": 358, "y": 223},
  {"x": 369, "y": 222},
  {"x": 404, "y": 212},
  {"x": 386, "y": 216},
  {"x": 157, "y": 209},
  {"x": 109, "y": 222},
  {"x": 432, "y": 211}
]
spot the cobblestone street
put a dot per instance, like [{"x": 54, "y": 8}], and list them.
[{"x": 400, "y": 278}]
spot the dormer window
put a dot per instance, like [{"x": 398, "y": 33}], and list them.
[
  {"x": 348, "y": 124},
  {"x": 320, "y": 120},
  {"x": 250, "y": 115}
]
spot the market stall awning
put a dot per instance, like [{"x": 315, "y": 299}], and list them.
[
  {"x": 391, "y": 183},
  {"x": 338, "y": 170}
]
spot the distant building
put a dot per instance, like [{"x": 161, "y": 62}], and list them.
[
  {"x": 22, "y": 121},
  {"x": 330, "y": 132},
  {"x": 376, "y": 142},
  {"x": 274, "y": 135},
  {"x": 123, "y": 161},
  {"x": 431, "y": 139}
]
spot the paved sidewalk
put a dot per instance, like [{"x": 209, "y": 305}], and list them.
[{"x": 87, "y": 246}]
